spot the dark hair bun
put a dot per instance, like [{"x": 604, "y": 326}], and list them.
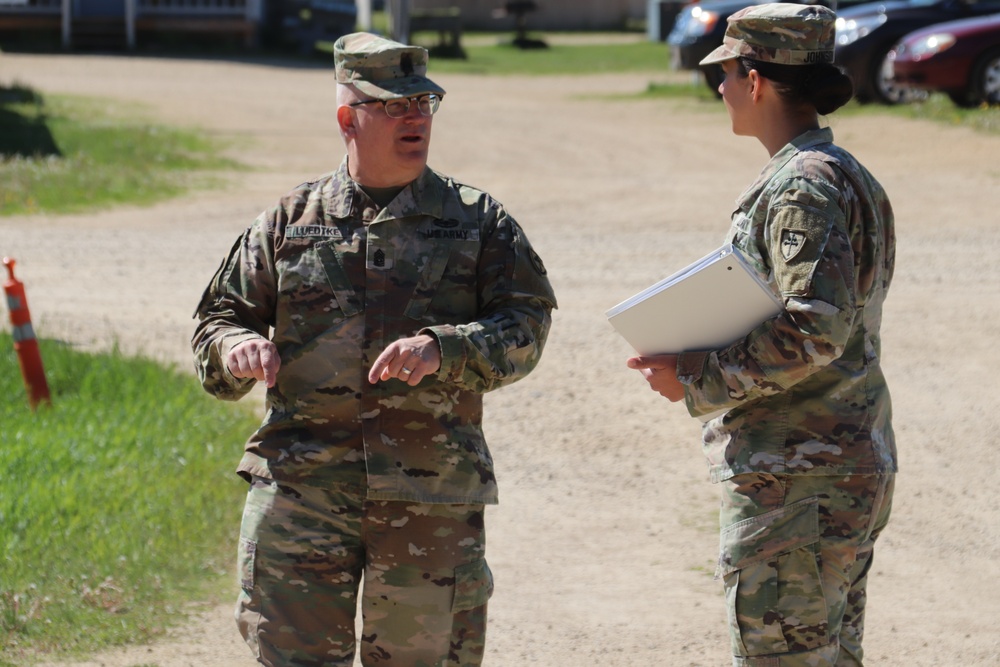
[{"x": 827, "y": 88}]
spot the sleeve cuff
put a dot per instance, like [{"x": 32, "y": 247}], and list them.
[
  {"x": 690, "y": 366},
  {"x": 452, "y": 351}
]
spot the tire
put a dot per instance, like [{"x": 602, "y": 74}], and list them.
[
  {"x": 986, "y": 79},
  {"x": 881, "y": 85},
  {"x": 964, "y": 100}
]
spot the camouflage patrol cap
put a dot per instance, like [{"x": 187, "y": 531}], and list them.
[
  {"x": 381, "y": 67},
  {"x": 780, "y": 33}
]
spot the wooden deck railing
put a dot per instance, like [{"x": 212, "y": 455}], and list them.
[
  {"x": 245, "y": 13},
  {"x": 31, "y": 6},
  {"x": 240, "y": 15},
  {"x": 250, "y": 9}
]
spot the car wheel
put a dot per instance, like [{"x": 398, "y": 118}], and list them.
[
  {"x": 986, "y": 79},
  {"x": 964, "y": 100},
  {"x": 883, "y": 85}
]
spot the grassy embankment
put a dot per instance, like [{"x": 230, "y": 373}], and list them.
[
  {"x": 64, "y": 154},
  {"x": 118, "y": 502}
]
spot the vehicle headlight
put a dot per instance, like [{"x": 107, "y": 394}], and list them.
[
  {"x": 702, "y": 22},
  {"x": 931, "y": 45},
  {"x": 851, "y": 30}
]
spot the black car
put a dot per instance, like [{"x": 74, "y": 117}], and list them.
[
  {"x": 867, "y": 33},
  {"x": 699, "y": 28}
]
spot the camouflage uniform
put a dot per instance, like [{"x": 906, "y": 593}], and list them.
[
  {"x": 808, "y": 409},
  {"x": 805, "y": 448},
  {"x": 385, "y": 481}
]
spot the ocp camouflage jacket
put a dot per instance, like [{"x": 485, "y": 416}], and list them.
[
  {"x": 804, "y": 392},
  {"x": 337, "y": 280}
]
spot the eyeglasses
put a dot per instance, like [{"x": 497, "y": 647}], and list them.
[{"x": 399, "y": 107}]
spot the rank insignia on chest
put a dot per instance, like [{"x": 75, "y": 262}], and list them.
[
  {"x": 792, "y": 243},
  {"x": 379, "y": 259}
]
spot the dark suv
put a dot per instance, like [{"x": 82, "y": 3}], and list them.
[{"x": 700, "y": 26}]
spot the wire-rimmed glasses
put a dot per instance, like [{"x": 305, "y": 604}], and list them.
[{"x": 398, "y": 107}]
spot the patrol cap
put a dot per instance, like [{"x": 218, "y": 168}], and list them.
[
  {"x": 382, "y": 68},
  {"x": 780, "y": 33}
]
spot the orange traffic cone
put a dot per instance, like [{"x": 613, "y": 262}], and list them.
[{"x": 25, "y": 343}]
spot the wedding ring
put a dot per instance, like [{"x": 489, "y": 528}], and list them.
[{"x": 406, "y": 370}]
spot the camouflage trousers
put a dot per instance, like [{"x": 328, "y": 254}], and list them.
[
  {"x": 795, "y": 555},
  {"x": 305, "y": 552}
]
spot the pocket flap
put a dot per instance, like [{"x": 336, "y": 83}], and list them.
[
  {"x": 473, "y": 585},
  {"x": 768, "y": 535}
]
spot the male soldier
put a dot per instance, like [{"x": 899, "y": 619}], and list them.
[{"x": 397, "y": 297}]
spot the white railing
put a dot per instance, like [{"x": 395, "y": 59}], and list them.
[
  {"x": 61, "y": 8},
  {"x": 248, "y": 10},
  {"x": 245, "y": 8},
  {"x": 31, "y": 6}
]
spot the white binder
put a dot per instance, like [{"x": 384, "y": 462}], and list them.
[{"x": 705, "y": 306}]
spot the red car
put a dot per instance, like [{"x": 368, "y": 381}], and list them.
[{"x": 958, "y": 58}]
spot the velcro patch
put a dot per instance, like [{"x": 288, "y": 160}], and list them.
[
  {"x": 792, "y": 243},
  {"x": 302, "y": 231}
]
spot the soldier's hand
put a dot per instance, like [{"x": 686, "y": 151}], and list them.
[
  {"x": 408, "y": 360},
  {"x": 257, "y": 359},
  {"x": 660, "y": 372}
]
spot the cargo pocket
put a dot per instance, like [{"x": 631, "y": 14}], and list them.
[
  {"x": 473, "y": 586},
  {"x": 336, "y": 276},
  {"x": 774, "y": 593},
  {"x": 427, "y": 286},
  {"x": 245, "y": 563}
]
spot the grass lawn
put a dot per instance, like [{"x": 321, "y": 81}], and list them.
[
  {"x": 63, "y": 154},
  {"x": 118, "y": 503}
]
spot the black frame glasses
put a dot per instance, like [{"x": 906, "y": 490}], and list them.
[{"x": 427, "y": 104}]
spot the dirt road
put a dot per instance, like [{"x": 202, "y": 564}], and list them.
[{"x": 603, "y": 545}]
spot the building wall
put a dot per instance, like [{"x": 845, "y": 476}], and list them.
[{"x": 550, "y": 15}]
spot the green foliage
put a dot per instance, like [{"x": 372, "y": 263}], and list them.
[
  {"x": 68, "y": 154},
  {"x": 503, "y": 59},
  {"x": 117, "y": 503}
]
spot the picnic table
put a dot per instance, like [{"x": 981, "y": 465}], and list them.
[{"x": 520, "y": 9}]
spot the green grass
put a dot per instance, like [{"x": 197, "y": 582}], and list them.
[
  {"x": 938, "y": 108},
  {"x": 118, "y": 503},
  {"x": 501, "y": 59},
  {"x": 69, "y": 154}
]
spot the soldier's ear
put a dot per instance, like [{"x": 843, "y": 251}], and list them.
[
  {"x": 755, "y": 84},
  {"x": 346, "y": 121}
]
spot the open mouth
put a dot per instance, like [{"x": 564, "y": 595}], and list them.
[{"x": 412, "y": 138}]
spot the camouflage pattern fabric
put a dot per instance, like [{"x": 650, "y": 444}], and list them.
[
  {"x": 804, "y": 392},
  {"x": 339, "y": 279},
  {"x": 795, "y": 555},
  {"x": 780, "y": 33},
  {"x": 303, "y": 552},
  {"x": 381, "y": 68}
]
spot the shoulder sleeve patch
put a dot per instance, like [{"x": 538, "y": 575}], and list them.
[{"x": 798, "y": 236}]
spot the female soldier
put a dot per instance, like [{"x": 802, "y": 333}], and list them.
[{"x": 805, "y": 448}]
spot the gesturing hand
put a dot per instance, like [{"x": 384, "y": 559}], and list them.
[
  {"x": 660, "y": 372},
  {"x": 257, "y": 359},
  {"x": 408, "y": 360}
]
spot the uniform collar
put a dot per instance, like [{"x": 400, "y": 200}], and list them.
[
  {"x": 421, "y": 197},
  {"x": 803, "y": 142}
]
